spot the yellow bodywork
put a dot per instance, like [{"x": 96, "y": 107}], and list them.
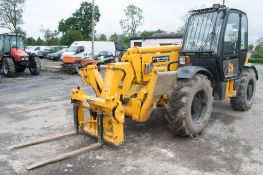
[
  {"x": 230, "y": 89},
  {"x": 129, "y": 89},
  {"x": 132, "y": 88}
]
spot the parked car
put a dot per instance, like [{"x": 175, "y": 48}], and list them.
[
  {"x": 104, "y": 57},
  {"x": 119, "y": 54},
  {"x": 53, "y": 49},
  {"x": 38, "y": 51},
  {"x": 57, "y": 55},
  {"x": 82, "y": 49}
]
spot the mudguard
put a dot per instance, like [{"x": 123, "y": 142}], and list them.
[
  {"x": 188, "y": 72},
  {"x": 252, "y": 66}
]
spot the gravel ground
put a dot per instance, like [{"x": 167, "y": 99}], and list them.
[
  {"x": 45, "y": 62},
  {"x": 32, "y": 107}
]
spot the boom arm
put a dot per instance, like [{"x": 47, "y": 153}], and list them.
[{"x": 129, "y": 89}]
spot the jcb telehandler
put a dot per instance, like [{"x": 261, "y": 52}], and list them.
[{"x": 211, "y": 64}]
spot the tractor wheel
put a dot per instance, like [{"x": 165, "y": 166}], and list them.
[
  {"x": 246, "y": 91},
  {"x": 190, "y": 105},
  {"x": 20, "y": 69},
  {"x": 34, "y": 66},
  {"x": 9, "y": 67}
]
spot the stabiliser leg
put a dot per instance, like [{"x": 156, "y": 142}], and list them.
[
  {"x": 75, "y": 117},
  {"x": 100, "y": 126},
  {"x": 67, "y": 155}
]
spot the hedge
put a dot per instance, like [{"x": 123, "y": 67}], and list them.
[{"x": 256, "y": 60}]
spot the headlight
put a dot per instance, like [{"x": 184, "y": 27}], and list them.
[
  {"x": 184, "y": 60},
  {"x": 24, "y": 58}
]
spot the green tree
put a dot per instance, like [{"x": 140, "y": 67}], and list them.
[
  {"x": 126, "y": 42},
  {"x": 70, "y": 36},
  {"x": 40, "y": 42},
  {"x": 133, "y": 20},
  {"x": 182, "y": 28},
  {"x": 11, "y": 15},
  {"x": 20, "y": 31},
  {"x": 102, "y": 37},
  {"x": 30, "y": 41},
  {"x": 51, "y": 37},
  {"x": 80, "y": 20},
  {"x": 114, "y": 38},
  {"x": 250, "y": 47},
  {"x": 257, "y": 52}
]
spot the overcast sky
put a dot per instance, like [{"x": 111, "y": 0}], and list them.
[{"x": 158, "y": 14}]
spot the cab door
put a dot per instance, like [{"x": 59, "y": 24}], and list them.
[
  {"x": 1, "y": 46},
  {"x": 243, "y": 41},
  {"x": 231, "y": 45}
]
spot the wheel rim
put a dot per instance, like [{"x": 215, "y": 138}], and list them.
[
  {"x": 5, "y": 68},
  {"x": 198, "y": 106},
  {"x": 250, "y": 90}
]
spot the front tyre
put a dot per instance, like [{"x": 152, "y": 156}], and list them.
[
  {"x": 246, "y": 91},
  {"x": 34, "y": 66},
  {"x": 190, "y": 105},
  {"x": 9, "y": 67}
]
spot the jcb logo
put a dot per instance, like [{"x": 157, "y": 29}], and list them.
[
  {"x": 160, "y": 59},
  {"x": 230, "y": 68}
]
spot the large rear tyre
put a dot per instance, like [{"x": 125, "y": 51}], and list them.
[
  {"x": 34, "y": 66},
  {"x": 190, "y": 105},
  {"x": 9, "y": 67},
  {"x": 246, "y": 91}
]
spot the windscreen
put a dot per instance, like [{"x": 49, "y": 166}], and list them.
[
  {"x": 203, "y": 32},
  {"x": 17, "y": 42},
  {"x": 73, "y": 49}
]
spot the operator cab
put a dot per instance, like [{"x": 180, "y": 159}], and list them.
[
  {"x": 8, "y": 41},
  {"x": 216, "y": 38}
]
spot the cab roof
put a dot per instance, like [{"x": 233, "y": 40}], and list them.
[{"x": 216, "y": 7}]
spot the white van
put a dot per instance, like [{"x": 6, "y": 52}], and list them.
[{"x": 82, "y": 49}]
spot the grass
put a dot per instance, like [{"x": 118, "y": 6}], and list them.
[{"x": 258, "y": 64}]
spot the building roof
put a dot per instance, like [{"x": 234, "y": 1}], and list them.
[
  {"x": 160, "y": 36},
  {"x": 11, "y": 34}
]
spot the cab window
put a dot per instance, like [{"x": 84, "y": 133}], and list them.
[
  {"x": 1, "y": 43},
  {"x": 81, "y": 49},
  {"x": 7, "y": 45},
  {"x": 244, "y": 33},
  {"x": 110, "y": 54},
  {"x": 231, "y": 33}
]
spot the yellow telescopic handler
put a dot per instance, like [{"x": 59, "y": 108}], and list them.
[{"x": 212, "y": 64}]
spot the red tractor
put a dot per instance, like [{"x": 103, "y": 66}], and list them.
[{"x": 13, "y": 57}]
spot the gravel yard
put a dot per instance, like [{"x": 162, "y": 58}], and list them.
[{"x": 31, "y": 107}]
